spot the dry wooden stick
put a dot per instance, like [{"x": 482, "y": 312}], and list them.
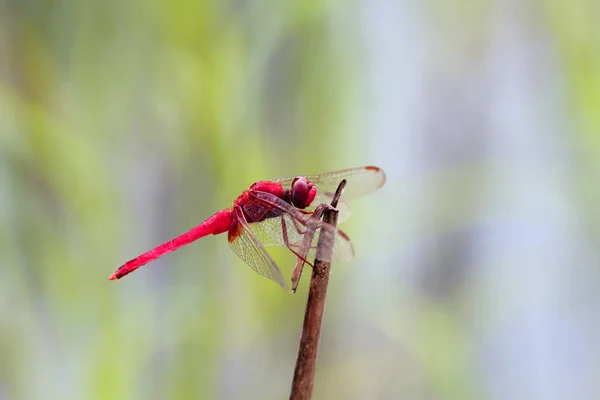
[{"x": 306, "y": 363}]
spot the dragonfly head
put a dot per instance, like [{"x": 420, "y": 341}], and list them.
[{"x": 303, "y": 192}]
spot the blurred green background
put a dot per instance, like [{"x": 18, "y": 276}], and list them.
[{"x": 123, "y": 124}]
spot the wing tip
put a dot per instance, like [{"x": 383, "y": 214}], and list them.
[
  {"x": 379, "y": 171},
  {"x": 284, "y": 285}
]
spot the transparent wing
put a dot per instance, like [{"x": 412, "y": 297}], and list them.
[
  {"x": 246, "y": 245},
  {"x": 360, "y": 181},
  {"x": 286, "y": 230},
  {"x": 289, "y": 228}
]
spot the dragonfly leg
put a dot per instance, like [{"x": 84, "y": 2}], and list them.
[
  {"x": 298, "y": 226},
  {"x": 289, "y": 245},
  {"x": 313, "y": 223}
]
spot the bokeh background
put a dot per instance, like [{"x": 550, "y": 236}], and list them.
[{"x": 123, "y": 124}]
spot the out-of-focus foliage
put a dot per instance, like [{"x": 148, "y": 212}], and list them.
[{"x": 122, "y": 124}]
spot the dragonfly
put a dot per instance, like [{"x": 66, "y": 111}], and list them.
[{"x": 279, "y": 212}]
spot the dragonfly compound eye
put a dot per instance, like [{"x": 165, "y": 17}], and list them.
[{"x": 303, "y": 192}]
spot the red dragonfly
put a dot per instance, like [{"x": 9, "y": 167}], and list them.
[{"x": 278, "y": 212}]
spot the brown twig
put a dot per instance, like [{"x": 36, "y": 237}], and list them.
[{"x": 304, "y": 374}]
